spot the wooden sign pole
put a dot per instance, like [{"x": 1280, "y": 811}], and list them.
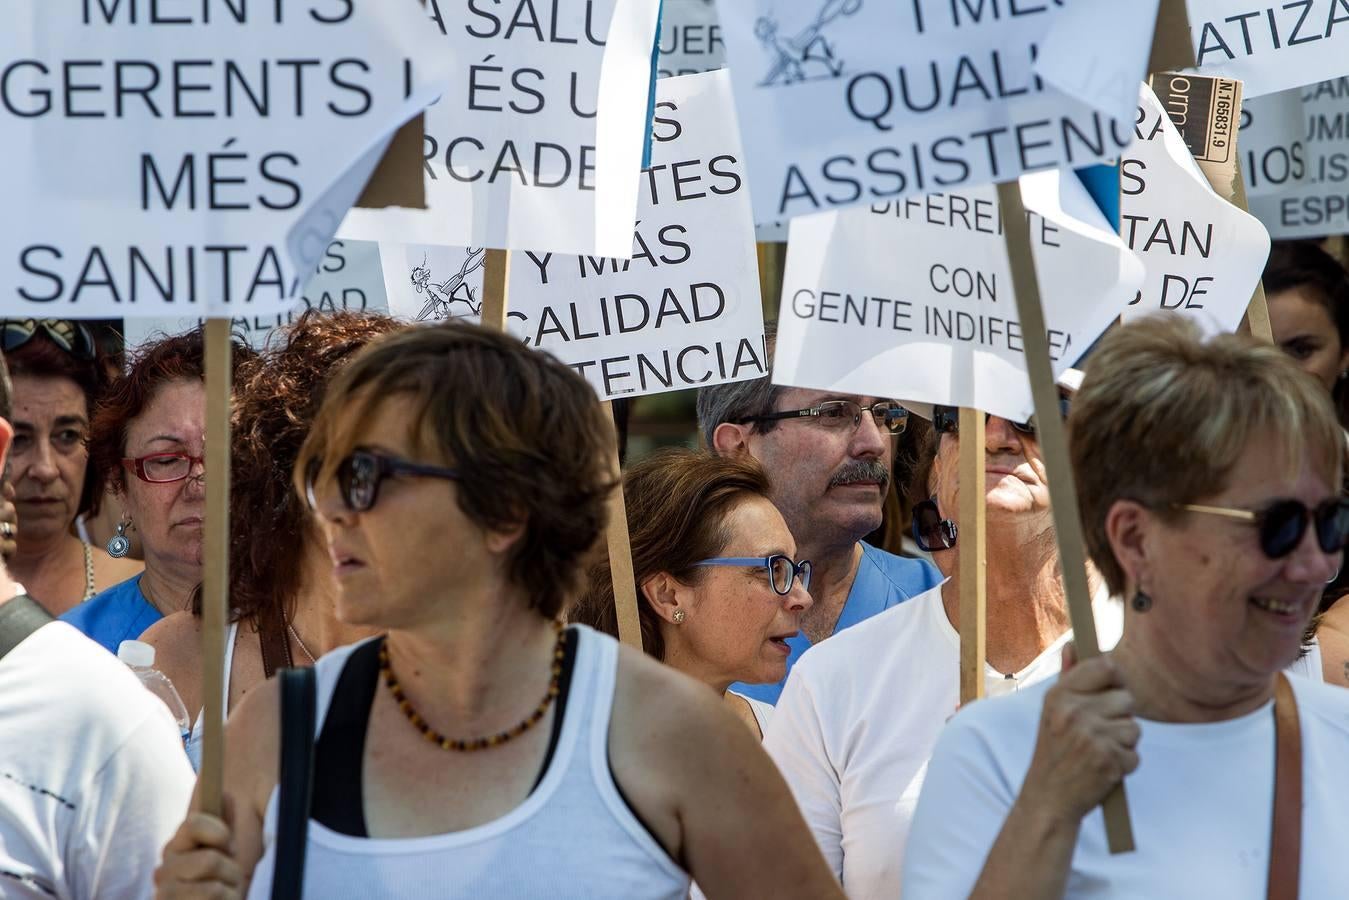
[
  {"x": 495, "y": 300},
  {"x": 1054, "y": 445},
  {"x": 215, "y": 551},
  {"x": 971, "y": 550},
  {"x": 1257, "y": 314},
  {"x": 772, "y": 262}
]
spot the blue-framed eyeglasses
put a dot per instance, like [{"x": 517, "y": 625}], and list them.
[{"x": 782, "y": 570}]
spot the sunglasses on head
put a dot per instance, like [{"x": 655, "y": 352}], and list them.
[
  {"x": 932, "y": 532},
  {"x": 946, "y": 419},
  {"x": 1283, "y": 523},
  {"x": 71, "y": 337},
  {"x": 361, "y": 473}
]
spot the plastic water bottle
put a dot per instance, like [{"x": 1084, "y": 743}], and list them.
[{"x": 140, "y": 657}]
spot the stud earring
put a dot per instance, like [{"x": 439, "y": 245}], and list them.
[
  {"x": 1141, "y": 602},
  {"x": 678, "y": 617},
  {"x": 119, "y": 545}
]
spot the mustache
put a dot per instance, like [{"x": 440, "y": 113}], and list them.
[{"x": 866, "y": 470}]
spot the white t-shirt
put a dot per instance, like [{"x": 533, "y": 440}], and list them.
[
  {"x": 93, "y": 778},
  {"x": 858, "y": 720},
  {"x": 1201, "y": 803}
]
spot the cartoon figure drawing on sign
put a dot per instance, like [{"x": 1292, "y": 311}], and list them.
[
  {"x": 442, "y": 297},
  {"x": 807, "y": 55}
]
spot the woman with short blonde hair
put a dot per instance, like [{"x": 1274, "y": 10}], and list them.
[{"x": 1209, "y": 474}]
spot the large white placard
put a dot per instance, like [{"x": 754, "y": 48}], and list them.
[
  {"x": 1097, "y": 51},
  {"x": 913, "y": 299},
  {"x": 1203, "y": 255},
  {"x": 1270, "y": 46},
  {"x": 685, "y": 311},
  {"x": 349, "y": 277},
  {"x": 690, "y": 38},
  {"x": 851, "y": 102},
  {"x": 1273, "y": 144},
  {"x": 538, "y": 141},
  {"x": 192, "y": 158},
  {"x": 1313, "y": 200}
]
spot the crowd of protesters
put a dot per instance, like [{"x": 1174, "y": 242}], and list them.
[{"x": 415, "y": 514}]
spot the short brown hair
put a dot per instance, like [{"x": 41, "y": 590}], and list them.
[
  {"x": 169, "y": 359},
  {"x": 677, "y": 502},
  {"x": 1164, "y": 415},
  {"x": 526, "y": 433},
  {"x": 41, "y": 357},
  {"x": 276, "y": 398}
]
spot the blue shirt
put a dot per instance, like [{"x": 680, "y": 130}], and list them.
[
  {"x": 121, "y": 613},
  {"x": 883, "y": 580}
]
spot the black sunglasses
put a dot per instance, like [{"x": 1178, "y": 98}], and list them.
[
  {"x": 932, "y": 532},
  {"x": 72, "y": 337},
  {"x": 360, "y": 474},
  {"x": 1283, "y": 523},
  {"x": 946, "y": 419}
]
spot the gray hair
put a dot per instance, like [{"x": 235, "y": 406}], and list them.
[{"x": 735, "y": 401}]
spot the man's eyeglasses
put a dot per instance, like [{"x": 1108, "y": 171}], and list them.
[
  {"x": 946, "y": 419},
  {"x": 932, "y": 532},
  {"x": 360, "y": 475},
  {"x": 164, "y": 468},
  {"x": 782, "y": 571},
  {"x": 1283, "y": 523},
  {"x": 72, "y": 337},
  {"x": 840, "y": 414}
]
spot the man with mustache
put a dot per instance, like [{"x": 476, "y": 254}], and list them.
[{"x": 828, "y": 456}]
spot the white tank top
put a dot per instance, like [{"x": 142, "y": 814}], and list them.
[
  {"x": 198, "y": 726},
  {"x": 574, "y": 836}
]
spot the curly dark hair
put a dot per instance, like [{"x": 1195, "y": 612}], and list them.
[
  {"x": 530, "y": 440},
  {"x": 276, "y": 397},
  {"x": 154, "y": 365}
]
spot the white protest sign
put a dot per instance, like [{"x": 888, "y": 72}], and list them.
[
  {"x": 690, "y": 38},
  {"x": 348, "y": 278},
  {"x": 1097, "y": 52},
  {"x": 685, "y": 311},
  {"x": 850, "y": 102},
  {"x": 1317, "y": 203},
  {"x": 538, "y": 141},
  {"x": 913, "y": 299},
  {"x": 1270, "y": 46},
  {"x": 173, "y": 158},
  {"x": 1203, "y": 255},
  {"x": 1273, "y": 144}
]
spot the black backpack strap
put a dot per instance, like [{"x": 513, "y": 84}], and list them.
[
  {"x": 296, "y": 784},
  {"x": 19, "y": 618}
]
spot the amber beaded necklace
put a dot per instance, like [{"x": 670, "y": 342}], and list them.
[{"x": 481, "y": 743}]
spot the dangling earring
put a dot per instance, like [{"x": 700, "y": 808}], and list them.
[
  {"x": 119, "y": 545},
  {"x": 678, "y": 617},
  {"x": 1141, "y": 602}
]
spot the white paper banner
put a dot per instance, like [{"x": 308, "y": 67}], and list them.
[
  {"x": 690, "y": 38},
  {"x": 684, "y": 312},
  {"x": 1273, "y": 144},
  {"x": 1317, "y": 203},
  {"x": 538, "y": 141},
  {"x": 1270, "y": 46},
  {"x": 914, "y": 300},
  {"x": 852, "y": 102},
  {"x": 170, "y": 159},
  {"x": 348, "y": 278},
  {"x": 1203, "y": 255},
  {"x": 1097, "y": 51}
]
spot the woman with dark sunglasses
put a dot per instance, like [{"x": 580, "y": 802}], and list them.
[
  {"x": 479, "y": 748},
  {"x": 861, "y": 713},
  {"x": 147, "y": 440},
  {"x": 281, "y": 585},
  {"x": 719, "y": 590},
  {"x": 57, "y": 379},
  {"x": 1209, "y": 474}
]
